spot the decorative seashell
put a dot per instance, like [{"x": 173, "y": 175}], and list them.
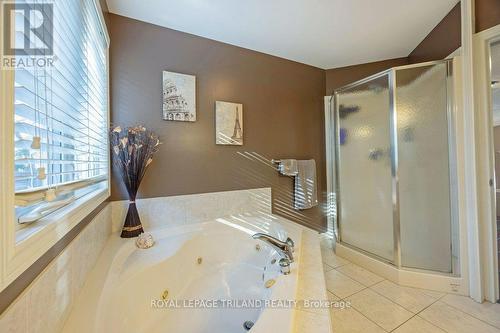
[
  {"x": 41, "y": 173},
  {"x": 36, "y": 143},
  {"x": 50, "y": 195},
  {"x": 144, "y": 241},
  {"x": 117, "y": 129}
]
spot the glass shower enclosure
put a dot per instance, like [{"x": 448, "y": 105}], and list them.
[{"x": 393, "y": 146}]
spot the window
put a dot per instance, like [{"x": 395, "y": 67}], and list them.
[{"x": 61, "y": 113}]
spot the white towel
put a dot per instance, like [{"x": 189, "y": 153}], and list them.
[
  {"x": 305, "y": 185},
  {"x": 288, "y": 167}
]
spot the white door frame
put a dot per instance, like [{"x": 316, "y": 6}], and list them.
[
  {"x": 486, "y": 162},
  {"x": 330, "y": 164},
  {"x": 468, "y": 143}
]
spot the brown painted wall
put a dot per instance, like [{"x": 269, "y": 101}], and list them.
[
  {"x": 282, "y": 111},
  {"x": 487, "y": 14},
  {"x": 442, "y": 40},
  {"x": 338, "y": 77}
]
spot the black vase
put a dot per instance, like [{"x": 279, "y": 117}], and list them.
[{"x": 132, "y": 226}]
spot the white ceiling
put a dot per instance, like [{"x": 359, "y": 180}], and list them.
[{"x": 322, "y": 33}]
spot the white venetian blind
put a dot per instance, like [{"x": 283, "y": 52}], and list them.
[{"x": 64, "y": 108}]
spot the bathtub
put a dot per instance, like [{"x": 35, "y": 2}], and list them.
[{"x": 204, "y": 277}]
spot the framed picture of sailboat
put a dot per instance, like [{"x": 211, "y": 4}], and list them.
[
  {"x": 179, "y": 97},
  {"x": 228, "y": 123}
]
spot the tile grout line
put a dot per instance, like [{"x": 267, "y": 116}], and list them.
[
  {"x": 383, "y": 280},
  {"x": 361, "y": 313},
  {"x": 404, "y": 323},
  {"x": 436, "y": 300},
  {"x": 439, "y": 299},
  {"x": 369, "y": 287},
  {"x": 442, "y": 329},
  {"x": 365, "y": 287},
  {"x": 347, "y": 276},
  {"x": 328, "y": 267},
  {"x": 383, "y": 329},
  {"x": 414, "y": 314},
  {"x": 471, "y": 315},
  {"x": 380, "y": 295},
  {"x": 352, "y": 307},
  {"x": 341, "y": 265}
]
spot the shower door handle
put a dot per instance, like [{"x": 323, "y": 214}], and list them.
[{"x": 375, "y": 154}]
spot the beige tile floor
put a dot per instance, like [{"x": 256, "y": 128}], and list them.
[{"x": 378, "y": 305}]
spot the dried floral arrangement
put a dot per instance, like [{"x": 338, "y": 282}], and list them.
[{"x": 132, "y": 151}]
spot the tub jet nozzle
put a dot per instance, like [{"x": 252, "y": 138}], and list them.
[{"x": 247, "y": 325}]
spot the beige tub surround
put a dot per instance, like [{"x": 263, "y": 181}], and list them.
[
  {"x": 193, "y": 208},
  {"x": 44, "y": 306},
  {"x": 312, "y": 286}
]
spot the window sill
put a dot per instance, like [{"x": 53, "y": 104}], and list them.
[
  {"x": 77, "y": 207},
  {"x": 28, "y": 244}
]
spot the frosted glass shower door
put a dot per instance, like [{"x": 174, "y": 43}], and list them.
[
  {"x": 364, "y": 167},
  {"x": 422, "y": 103}
]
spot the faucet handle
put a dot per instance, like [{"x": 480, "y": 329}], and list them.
[
  {"x": 284, "y": 266},
  {"x": 291, "y": 244}
]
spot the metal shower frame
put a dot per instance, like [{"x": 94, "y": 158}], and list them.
[{"x": 391, "y": 73}]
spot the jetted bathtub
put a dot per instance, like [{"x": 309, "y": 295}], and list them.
[{"x": 206, "y": 277}]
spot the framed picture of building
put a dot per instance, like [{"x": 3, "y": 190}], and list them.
[
  {"x": 228, "y": 123},
  {"x": 179, "y": 97}
]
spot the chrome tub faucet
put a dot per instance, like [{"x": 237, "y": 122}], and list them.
[{"x": 285, "y": 248}]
